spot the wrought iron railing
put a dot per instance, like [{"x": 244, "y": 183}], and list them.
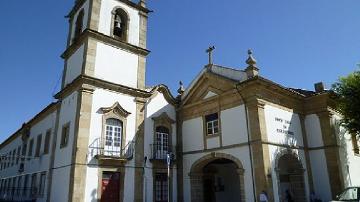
[
  {"x": 160, "y": 151},
  {"x": 102, "y": 147}
]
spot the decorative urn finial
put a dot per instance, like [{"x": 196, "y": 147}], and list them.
[
  {"x": 181, "y": 89},
  {"x": 252, "y": 69}
]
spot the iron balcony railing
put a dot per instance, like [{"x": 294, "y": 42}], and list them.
[
  {"x": 160, "y": 151},
  {"x": 108, "y": 148}
]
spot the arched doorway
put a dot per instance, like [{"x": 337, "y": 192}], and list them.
[
  {"x": 217, "y": 177},
  {"x": 290, "y": 174}
]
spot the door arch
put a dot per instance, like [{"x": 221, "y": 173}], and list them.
[
  {"x": 290, "y": 176},
  {"x": 209, "y": 170}
]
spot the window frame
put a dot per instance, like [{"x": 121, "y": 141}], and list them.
[
  {"x": 125, "y": 17},
  {"x": 38, "y": 145},
  {"x": 355, "y": 143},
  {"x": 208, "y": 120},
  {"x": 30, "y": 149},
  {"x": 78, "y": 25},
  {"x": 47, "y": 141},
  {"x": 65, "y": 135}
]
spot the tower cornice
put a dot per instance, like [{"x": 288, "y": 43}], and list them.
[{"x": 88, "y": 33}]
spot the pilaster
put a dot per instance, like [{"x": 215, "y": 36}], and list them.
[
  {"x": 80, "y": 145},
  {"x": 139, "y": 150},
  {"x": 331, "y": 149},
  {"x": 260, "y": 151}
]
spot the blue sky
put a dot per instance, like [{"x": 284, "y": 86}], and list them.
[{"x": 296, "y": 44}]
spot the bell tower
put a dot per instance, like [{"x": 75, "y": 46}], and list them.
[{"x": 107, "y": 42}]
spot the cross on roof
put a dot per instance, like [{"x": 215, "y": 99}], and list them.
[{"x": 209, "y": 51}]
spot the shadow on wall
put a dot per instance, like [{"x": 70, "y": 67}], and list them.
[{"x": 343, "y": 138}]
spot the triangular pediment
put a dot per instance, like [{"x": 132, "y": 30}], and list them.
[
  {"x": 208, "y": 86},
  {"x": 210, "y": 94}
]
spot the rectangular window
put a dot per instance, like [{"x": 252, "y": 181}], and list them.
[
  {"x": 212, "y": 124},
  {"x": 65, "y": 135},
  {"x": 161, "y": 187},
  {"x": 25, "y": 186},
  {"x": 8, "y": 159},
  {"x": 13, "y": 157},
  {"x": 18, "y": 155},
  {"x": 33, "y": 187},
  {"x": 31, "y": 145},
  {"x": 19, "y": 185},
  {"x": 38, "y": 145},
  {"x": 355, "y": 143},
  {"x": 13, "y": 186},
  {"x": 42, "y": 184},
  {"x": 23, "y": 152},
  {"x": 47, "y": 142}
]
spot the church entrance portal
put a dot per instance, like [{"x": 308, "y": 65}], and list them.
[
  {"x": 291, "y": 178},
  {"x": 216, "y": 179}
]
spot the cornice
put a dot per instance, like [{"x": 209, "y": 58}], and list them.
[
  {"x": 88, "y": 33},
  {"x": 82, "y": 80},
  {"x": 166, "y": 92}
]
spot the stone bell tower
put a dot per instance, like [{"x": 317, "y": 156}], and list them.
[{"x": 107, "y": 41}]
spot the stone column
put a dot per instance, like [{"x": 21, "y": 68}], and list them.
[{"x": 197, "y": 187}]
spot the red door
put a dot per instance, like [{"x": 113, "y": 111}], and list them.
[{"x": 110, "y": 188}]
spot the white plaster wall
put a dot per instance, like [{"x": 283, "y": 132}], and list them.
[
  {"x": 105, "y": 98},
  {"x": 85, "y": 6},
  {"x": 105, "y": 20},
  {"x": 320, "y": 174},
  {"x": 242, "y": 153},
  {"x": 62, "y": 160},
  {"x": 313, "y": 131},
  {"x": 317, "y": 157},
  {"x": 272, "y": 126},
  {"x": 155, "y": 107},
  {"x": 116, "y": 65},
  {"x": 74, "y": 65},
  {"x": 212, "y": 142},
  {"x": 350, "y": 162},
  {"x": 192, "y": 135},
  {"x": 233, "y": 126}
]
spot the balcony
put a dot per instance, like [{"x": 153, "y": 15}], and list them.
[
  {"x": 159, "y": 152},
  {"x": 109, "y": 152}
]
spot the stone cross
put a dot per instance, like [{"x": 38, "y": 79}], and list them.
[{"x": 209, "y": 51}]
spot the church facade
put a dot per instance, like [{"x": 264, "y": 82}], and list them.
[{"x": 229, "y": 136}]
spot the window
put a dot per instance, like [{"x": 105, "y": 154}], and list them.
[
  {"x": 18, "y": 185},
  {"x": 161, "y": 187},
  {"x": 120, "y": 24},
  {"x": 47, "y": 142},
  {"x": 38, "y": 145},
  {"x": 13, "y": 157},
  {"x": 18, "y": 155},
  {"x": 33, "y": 185},
  {"x": 355, "y": 143},
  {"x": 212, "y": 124},
  {"x": 161, "y": 146},
  {"x": 113, "y": 136},
  {"x": 23, "y": 152},
  {"x": 65, "y": 135},
  {"x": 42, "y": 184},
  {"x": 79, "y": 24},
  {"x": 25, "y": 185},
  {"x": 31, "y": 145}
]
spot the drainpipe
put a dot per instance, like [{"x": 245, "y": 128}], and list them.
[{"x": 248, "y": 137}]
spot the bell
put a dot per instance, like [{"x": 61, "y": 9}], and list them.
[{"x": 118, "y": 25}]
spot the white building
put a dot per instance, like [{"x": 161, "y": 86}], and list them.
[{"x": 232, "y": 133}]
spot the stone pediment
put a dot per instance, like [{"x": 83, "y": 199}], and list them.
[
  {"x": 116, "y": 108},
  {"x": 208, "y": 86},
  {"x": 163, "y": 118}
]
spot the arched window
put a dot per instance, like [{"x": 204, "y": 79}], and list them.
[
  {"x": 161, "y": 142},
  {"x": 113, "y": 136},
  {"x": 120, "y": 24},
  {"x": 79, "y": 24}
]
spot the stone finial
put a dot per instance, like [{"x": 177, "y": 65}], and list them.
[
  {"x": 142, "y": 3},
  {"x": 252, "y": 69},
  {"x": 209, "y": 51},
  {"x": 181, "y": 89},
  {"x": 319, "y": 87}
]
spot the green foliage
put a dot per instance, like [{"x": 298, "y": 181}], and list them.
[{"x": 348, "y": 101}]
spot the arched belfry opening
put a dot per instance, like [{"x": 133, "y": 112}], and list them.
[
  {"x": 217, "y": 177},
  {"x": 290, "y": 174}
]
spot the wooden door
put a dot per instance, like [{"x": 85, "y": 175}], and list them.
[{"x": 110, "y": 187}]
